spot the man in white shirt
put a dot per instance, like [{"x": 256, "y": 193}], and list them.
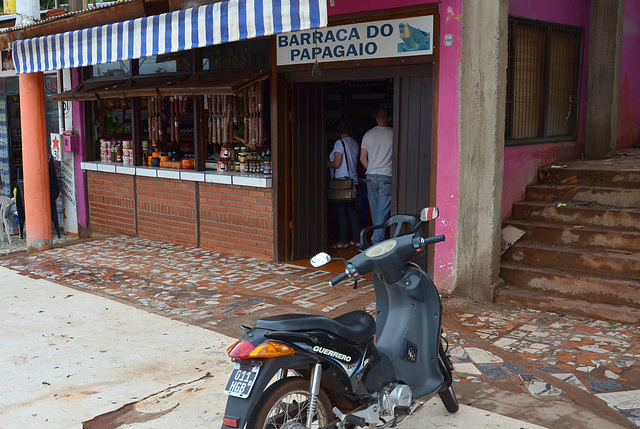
[{"x": 376, "y": 156}]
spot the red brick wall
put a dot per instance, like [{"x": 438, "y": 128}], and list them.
[
  {"x": 111, "y": 203},
  {"x": 167, "y": 210},
  {"x": 237, "y": 219},
  {"x": 232, "y": 218}
]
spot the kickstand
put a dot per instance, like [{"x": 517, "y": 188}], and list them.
[{"x": 355, "y": 283}]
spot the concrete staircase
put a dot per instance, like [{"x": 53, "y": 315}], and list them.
[{"x": 580, "y": 253}]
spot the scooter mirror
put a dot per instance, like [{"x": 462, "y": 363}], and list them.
[
  {"x": 429, "y": 213},
  {"x": 320, "y": 259}
]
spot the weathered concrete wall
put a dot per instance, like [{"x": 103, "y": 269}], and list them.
[
  {"x": 629, "y": 90},
  {"x": 521, "y": 162},
  {"x": 482, "y": 112},
  {"x": 605, "y": 45}
]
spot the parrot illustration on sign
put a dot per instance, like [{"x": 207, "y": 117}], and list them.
[{"x": 413, "y": 39}]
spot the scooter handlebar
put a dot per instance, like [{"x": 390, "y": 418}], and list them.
[{"x": 337, "y": 279}]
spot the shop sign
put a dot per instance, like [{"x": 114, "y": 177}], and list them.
[
  {"x": 56, "y": 146},
  {"x": 361, "y": 41}
]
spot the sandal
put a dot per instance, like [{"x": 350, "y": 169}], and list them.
[
  {"x": 354, "y": 244},
  {"x": 340, "y": 246}
]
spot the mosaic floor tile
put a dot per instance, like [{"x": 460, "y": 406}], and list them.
[
  {"x": 513, "y": 369},
  {"x": 597, "y": 386},
  {"x": 539, "y": 387},
  {"x": 571, "y": 379},
  {"x": 627, "y": 400},
  {"x": 482, "y": 356},
  {"x": 632, "y": 415},
  {"x": 493, "y": 371}
]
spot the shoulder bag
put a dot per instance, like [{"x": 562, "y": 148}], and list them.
[{"x": 343, "y": 189}]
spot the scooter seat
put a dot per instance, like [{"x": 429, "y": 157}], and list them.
[{"x": 356, "y": 327}]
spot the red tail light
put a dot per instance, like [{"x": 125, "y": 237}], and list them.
[{"x": 232, "y": 423}]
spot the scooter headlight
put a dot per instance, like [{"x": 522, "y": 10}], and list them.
[{"x": 247, "y": 350}]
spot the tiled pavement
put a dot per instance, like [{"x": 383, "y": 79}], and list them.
[{"x": 528, "y": 349}]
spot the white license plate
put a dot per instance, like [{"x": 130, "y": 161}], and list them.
[{"x": 241, "y": 380}]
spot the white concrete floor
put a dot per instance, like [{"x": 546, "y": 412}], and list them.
[{"x": 68, "y": 356}]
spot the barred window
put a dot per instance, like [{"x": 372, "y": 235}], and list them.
[{"x": 543, "y": 82}]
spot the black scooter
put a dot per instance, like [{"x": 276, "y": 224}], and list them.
[{"x": 299, "y": 371}]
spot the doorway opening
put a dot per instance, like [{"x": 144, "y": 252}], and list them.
[{"x": 353, "y": 102}]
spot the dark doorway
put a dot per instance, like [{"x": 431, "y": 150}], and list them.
[{"x": 316, "y": 110}]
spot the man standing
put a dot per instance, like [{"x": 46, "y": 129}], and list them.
[{"x": 375, "y": 155}]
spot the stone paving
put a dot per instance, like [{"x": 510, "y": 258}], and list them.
[
  {"x": 207, "y": 287},
  {"x": 594, "y": 356}
]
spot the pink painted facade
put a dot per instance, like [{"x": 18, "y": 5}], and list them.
[
  {"x": 629, "y": 94},
  {"x": 521, "y": 163}
]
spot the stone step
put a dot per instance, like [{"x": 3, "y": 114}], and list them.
[
  {"x": 577, "y": 235},
  {"x": 590, "y": 174},
  {"x": 516, "y": 297},
  {"x": 616, "y": 263},
  {"x": 572, "y": 213},
  {"x": 602, "y": 196},
  {"x": 592, "y": 287}
]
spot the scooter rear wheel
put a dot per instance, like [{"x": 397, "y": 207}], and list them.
[
  {"x": 449, "y": 399},
  {"x": 285, "y": 403}
]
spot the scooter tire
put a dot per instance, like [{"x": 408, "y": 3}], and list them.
[
  {"x": 449, "y": 399},
  {"x": 281, "y": 391}
]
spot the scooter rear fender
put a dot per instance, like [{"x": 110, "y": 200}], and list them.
[{"x": 239, "y": 408}]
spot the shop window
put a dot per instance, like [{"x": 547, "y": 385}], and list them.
[
  {"x": 543, "y": 83},
  {"x": 111, "y": 70},
  {"x": 177, "y": 62}
]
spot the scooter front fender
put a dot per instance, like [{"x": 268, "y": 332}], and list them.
[{"x": 239, "y": 409}]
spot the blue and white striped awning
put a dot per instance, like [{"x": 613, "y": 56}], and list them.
[{"x": 197, "y": 27}]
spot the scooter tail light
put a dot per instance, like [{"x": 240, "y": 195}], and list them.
[
  {"x": 244, "y": 349},
  {"x": 271, "y": 349},
  {"x": 241, "y": 349}
]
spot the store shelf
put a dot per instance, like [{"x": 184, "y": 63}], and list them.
[{"x": 224, "y": 178}]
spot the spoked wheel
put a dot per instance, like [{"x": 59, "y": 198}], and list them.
[
  {"x": 449, "y": 399},
  {"x": 285, "y": 404}
]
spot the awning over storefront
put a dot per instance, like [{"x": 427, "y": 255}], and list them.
[
  {"x": 197, "y": 27},
  {"x": 150, "y": 86}
]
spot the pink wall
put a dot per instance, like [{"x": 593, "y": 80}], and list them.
[
  {"x": 350, "y": 6},
  {"x": 521, "y": 163},
  {"x": 629, "y": 94},
  {"x": 447, "y": 181}
]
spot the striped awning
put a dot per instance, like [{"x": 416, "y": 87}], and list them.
[{"x": 197, "y": 27}]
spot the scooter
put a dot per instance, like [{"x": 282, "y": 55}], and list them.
[{"x": 300, "y": 371}]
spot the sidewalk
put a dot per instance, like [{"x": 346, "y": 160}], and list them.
[
  {"x": 542, "y": 368},
  {"x": 70, "y": 357}
]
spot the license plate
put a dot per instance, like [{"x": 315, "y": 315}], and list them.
[{"x": 241, "y": 380}]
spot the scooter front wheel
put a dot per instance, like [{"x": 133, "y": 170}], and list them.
[
  {"x": 449, "y": 399},
  {"x": 285, "y": 405}
]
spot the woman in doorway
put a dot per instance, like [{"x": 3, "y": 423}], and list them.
[{"x": 344, "y": 162}]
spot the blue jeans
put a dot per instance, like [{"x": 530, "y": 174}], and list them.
[{"x": 379, "y": 196}]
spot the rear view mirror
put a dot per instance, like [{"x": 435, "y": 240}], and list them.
[
  {"x": 320, "y": 259},
  {"x": 429, "y": 213}
]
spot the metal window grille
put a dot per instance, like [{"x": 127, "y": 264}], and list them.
[{"x": 543, "y": 82}]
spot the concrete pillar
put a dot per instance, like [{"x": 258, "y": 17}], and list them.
[
  {"x": 605, "y": 48},
  {"x": 35, "y": 162},
  {"x": 27, "y": 12},
  {"x": 483, "y": 86}
]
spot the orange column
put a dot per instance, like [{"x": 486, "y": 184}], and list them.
[{"x": 35, "y": 162}]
